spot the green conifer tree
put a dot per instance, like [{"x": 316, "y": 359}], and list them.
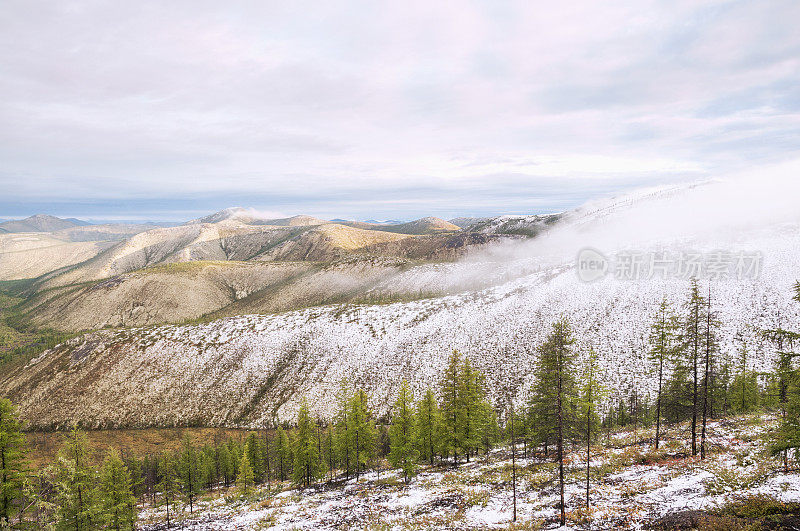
[
  {"x": 170, "y": 482},
  {"x": 343, "y": 436},
  {"x": 554, "y": 385},
  {"x": 246, "y": 478},
  {"x": 787, "y": 383},
  {"x": 12, "y": 461},
  {"x": 710, "y": 349},
  {"x": 191, "y": 472},
  {"x": 75, "y": 481},
  {"x": 117, "y": 502},
  {"x": 694, "y": 309},
  {"x": 452, "y": 410},
  {"x": 428, "y": 427},
  {"x": 284, "y": 453},
  {"x": 488, "y": 430},
  {"x": 591, "y": 393},
  {"x": 471, "y": 396},
  {"x": 253, "y": 445},
  {"x": 306, "y": 459},
  {"x": 744, "y": 390},
  {"x": 362, "y": 428},
  {"x": 663, "y": 343},
  {"x": 225, "y": 464},
  {"x": 403, "y": 453}
]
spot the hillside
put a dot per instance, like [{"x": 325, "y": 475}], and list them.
[
  {"x": 252, "y": 217},
  {"x": 30, "y": 255},
  {"x": 244, "y": 370},
  {"x": 328, "y": 242},
  {"x": 116, "y": 280},
  {"x": 220, "y": 241},
  {"x": 38, "y": 223},
  {"x": 529, "y": 226},
  {"x": 104, "y": 232},
  {"x": 157, "y": 294},
  {"x": 429, "y": 225}
]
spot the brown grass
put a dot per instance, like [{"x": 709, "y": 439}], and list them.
[{"x": 43, "y": 446}]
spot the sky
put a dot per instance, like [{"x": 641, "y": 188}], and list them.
[{"x": 384, "y": 110}]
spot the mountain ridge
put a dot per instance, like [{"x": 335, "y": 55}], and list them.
[{"x": 39, "y": 223}]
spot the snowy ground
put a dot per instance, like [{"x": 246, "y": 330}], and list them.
[{"x": 632, "y": 486}]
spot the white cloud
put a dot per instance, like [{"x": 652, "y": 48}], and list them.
[{"x": 256, "y": 98}]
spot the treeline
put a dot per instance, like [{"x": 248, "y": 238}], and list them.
[{"x": 566, "y": 406}]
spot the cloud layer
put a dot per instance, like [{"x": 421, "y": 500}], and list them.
[{"x": 384, "y": 109}]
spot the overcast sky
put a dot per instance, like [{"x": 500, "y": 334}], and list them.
[{"x": 167, "y": 110}]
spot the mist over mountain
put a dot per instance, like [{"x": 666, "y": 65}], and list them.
[{"x": 493, "y": 300}]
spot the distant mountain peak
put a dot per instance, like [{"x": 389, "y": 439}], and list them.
[
  {"x": 39, "y": 223},
  {"x": 222, "y": 215}
]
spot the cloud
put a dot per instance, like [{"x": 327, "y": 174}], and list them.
[{"x": 293, "y": 103}]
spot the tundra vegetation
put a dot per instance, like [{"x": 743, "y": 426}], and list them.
[{"x": 568, "y": 446}]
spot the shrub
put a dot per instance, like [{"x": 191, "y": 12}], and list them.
[
  {"x": 476, "y": 497},
  {"x": 725, "y": 523},
  {"x": 758, "y": 506},
  {"x": 526, "y": 525},
  {"x": 581, "y": 516},
  {"x": 732, "y": 479}
]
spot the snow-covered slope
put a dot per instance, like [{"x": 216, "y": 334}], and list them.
[{"x": 249, "y": 370}]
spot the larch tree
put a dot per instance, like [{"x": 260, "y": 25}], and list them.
[
  {"x": 787, "y": 437},
  {"x": 694, "y": 309},
  {"x": 513, "y": 437},
  {"x": 284, "y": 453},
  {"x": 452, "y": 411},
  {"x": 225, "y": 464},
  {"x": 362, "y": 428},
  {"x": 403, "y": 453},
  {"x": 710, "y": 348},
  {"x": 191, "y": 472},
  {"x": 253, "y": 446},
  {"x": 246, "y": 478},
  {"x": 266, "y": 452},
  {"x": 555, "y": 382},
  {"x": 744, "y": 389},
  {"x": 541, "y": 422},
  {"x": 329, "y": 448},
  {"x": 306, "y": 461},
  {"x": 663, "y": 339},
  {"x": 117, "y": 502},
  {"x": 477, "y": 414},
  {"x": 488, "y": 430},
  {"x": 469, "y": 398},
  {"x": 75, "y": 482},
  {"x": 12, "y": 461},
  {"x": 343, "y": 436},
  {"x": 428, "y": 426},
  {"x": 170, "y": 481},
  {"x": 591, "y": 394}
]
